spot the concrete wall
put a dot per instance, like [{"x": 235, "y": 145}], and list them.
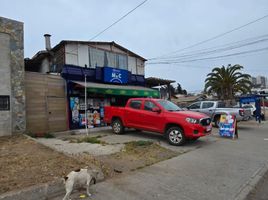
[
  {"x": 12, "y": 76},
  {"x": 5, "y": 86}
]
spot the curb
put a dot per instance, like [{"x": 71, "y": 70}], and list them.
[
  {"x": 250, "y": 185},
  {"x": 41, "y": 192}
]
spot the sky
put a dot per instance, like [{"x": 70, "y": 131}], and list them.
[{"x": 154, "y": 29}]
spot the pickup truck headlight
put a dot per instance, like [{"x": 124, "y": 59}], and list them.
[{"x": 192, "y": 120}]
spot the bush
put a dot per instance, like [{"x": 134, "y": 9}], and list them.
[{"x": 49, "y": 135}]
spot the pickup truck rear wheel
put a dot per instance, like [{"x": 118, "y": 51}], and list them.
[
  {"x": 117, "y": 126},
  {"x": 175, "y": 136}
]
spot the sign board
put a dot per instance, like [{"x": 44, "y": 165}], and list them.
[
  {"x": 112, "y": 75},
  {"x": 227, "y": 126}
]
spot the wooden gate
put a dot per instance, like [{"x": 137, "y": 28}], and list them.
[
  {"x": 45, "y": 103},
  {"x": 56, "y": 113}
]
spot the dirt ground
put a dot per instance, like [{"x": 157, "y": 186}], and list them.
[{"x": 24, "y": 163}]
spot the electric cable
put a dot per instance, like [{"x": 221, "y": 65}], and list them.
[
  {"x": 213, "y": 38},
  {"x": 117, "y": 20}
]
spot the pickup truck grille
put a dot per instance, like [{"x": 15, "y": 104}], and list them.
[{"x": 205, "y": 121}]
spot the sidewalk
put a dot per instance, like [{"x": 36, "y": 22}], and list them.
[{"x": 223, "y": 170}]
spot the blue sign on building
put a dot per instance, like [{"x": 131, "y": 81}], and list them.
[{"x": 112, "y": 75}]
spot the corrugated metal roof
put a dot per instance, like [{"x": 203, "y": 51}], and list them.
[{"x": 96, "y": 43}]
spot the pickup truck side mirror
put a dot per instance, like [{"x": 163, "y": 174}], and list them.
[{"x": 156, "y": 109}]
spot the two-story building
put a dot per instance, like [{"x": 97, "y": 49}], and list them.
[{"x": 98, "y": 73}]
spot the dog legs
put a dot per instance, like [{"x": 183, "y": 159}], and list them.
[
  {"x": 88, "y": 184},
  {"x": 69, "y": 189}
]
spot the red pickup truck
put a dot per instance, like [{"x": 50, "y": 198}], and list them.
[{"x": 161, "y": 116}]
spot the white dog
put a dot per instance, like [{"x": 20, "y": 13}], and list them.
[{"x": 81, "y": 177}]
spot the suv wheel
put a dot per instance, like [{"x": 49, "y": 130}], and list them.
[
  {"x": 175, "y": 136},
  {"x": 117, "y": 126}
]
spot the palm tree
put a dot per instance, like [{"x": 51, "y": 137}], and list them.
[{"x": 225, "y": 82}]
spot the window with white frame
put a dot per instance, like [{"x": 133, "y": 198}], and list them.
[
  {"x": 96, "y": 57},
  {"x": 102, "y": 58},
  {"x": 111, "y": 59},
  {"x": 122, "y": 61}
]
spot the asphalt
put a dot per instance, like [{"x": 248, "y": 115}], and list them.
[
  {"x": 222, "y": 169},
  {"x": 260, "y": 192}
]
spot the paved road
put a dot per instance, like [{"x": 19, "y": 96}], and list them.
[
  {"x": 261, "y": 190},
  {"x": 221, "y": 169}
]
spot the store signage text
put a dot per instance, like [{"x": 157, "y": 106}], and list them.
[{"x": 112, "y": 75}]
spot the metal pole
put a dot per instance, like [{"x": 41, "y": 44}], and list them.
[
  {"x": 86, "y": 103},
  {"x": 263, "y": 106}
]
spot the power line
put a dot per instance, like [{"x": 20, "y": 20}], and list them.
[
  {"x": 228, "y": 48},
  {"x": 209, "y": 58},
  {"x": 117, "y": 20},
  {"x": 213, "y": 38},
  {"x": 220, "y": 48}
]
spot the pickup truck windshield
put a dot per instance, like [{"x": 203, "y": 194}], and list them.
[{"x": 167, "y": 105}]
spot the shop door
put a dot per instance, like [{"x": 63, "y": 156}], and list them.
[{"x": 57, "y": 115}]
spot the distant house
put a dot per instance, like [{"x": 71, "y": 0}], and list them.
[{"x": 185, "y": 100}]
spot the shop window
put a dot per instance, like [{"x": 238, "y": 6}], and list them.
[
  {"x": 96, "y": 58},
  {"x": 102, "y": 58},
  {"x": 132, "y": 66},
  {"x": 110, "y": 59},
  {"x": 136, "y": 104},
  {"x": 4, "y": 102},
  {"x": 122, "y": 61}
]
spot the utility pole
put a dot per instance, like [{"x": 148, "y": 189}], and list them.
[{"x": 86, "y": 100}]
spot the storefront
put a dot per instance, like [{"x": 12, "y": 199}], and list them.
[{"x": 104, "y": 87}]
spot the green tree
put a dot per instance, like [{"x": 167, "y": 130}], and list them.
[
  {"x": 172, "y": 90},
  {"x": 225, "y": 82},
  {"x": 179, "y": 89}
]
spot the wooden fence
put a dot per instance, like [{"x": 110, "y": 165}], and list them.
[{"x": 46, "y": 105}]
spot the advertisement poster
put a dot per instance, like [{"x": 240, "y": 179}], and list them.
[
  {"x": 82, "y": 120},
  {"x": 74, "y": 105},
  {"x": 227, "y": 126}
]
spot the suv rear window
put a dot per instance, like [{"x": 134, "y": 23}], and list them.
[{"x": 136, "y": 104}]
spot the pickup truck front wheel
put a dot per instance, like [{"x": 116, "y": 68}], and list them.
[
  {"x": 117, "y": 126},
  {"x": 175, "y": 136}
]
